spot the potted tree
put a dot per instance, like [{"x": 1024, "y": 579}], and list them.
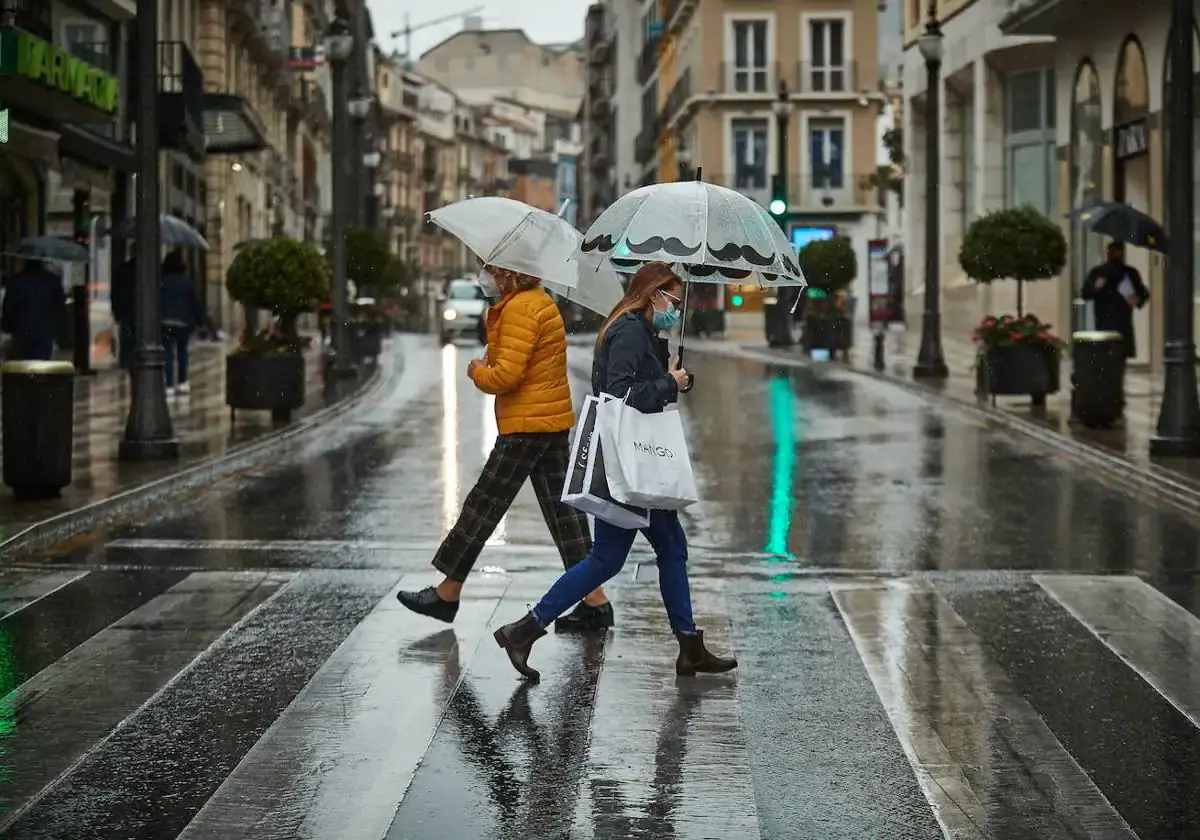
[
  {"x": 829, "y": 266},
  {"x": 371, "y": 267},
  {"x": 1017, "y": 354},
  {"x": 287, "y": 278}
]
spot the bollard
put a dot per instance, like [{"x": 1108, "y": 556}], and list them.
[{"x": 879, "y": 360}]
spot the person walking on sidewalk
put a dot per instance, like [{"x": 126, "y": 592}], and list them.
[
  {"x": 124, "y": 307},
  {"x": 180, "y": 312},
  {"x": 526, "y": 369},
  {"x": 631, "y": 361},
  {"x": 1116, "y": 290},
  {"x": 34, "y": 302}
]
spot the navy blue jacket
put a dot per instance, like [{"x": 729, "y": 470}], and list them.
[
  {"x": 631, "y": 359},
  {"x": 178, "y": 304}
]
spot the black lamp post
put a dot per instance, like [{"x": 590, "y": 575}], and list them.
[
  {"x": 931, "y": 361},
  {"x": 149, "y": 433},
  {"x": 339, "y": 44},
  {"x": 1178, "y": 431},
  {"x": 360, "y": 109},
  {"x": 783, "y": 113}
]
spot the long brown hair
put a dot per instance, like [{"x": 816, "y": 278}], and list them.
[
  {"x": 509, "y": 281},
  {"x": 649, "y": 281}
]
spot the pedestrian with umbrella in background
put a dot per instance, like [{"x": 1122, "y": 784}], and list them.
[{"x": 34, "y": 298}]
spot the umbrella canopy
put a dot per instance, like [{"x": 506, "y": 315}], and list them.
[
  {"x": 511, "y": 234},
  {"x": 598, "y": 287},
  {"x": 51, "y": 248},
  {"x": 1123, "y": 223},
  {"x": 717, "y": 235},
  {"x": 173, "y": 232}
]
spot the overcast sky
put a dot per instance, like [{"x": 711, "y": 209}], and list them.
[{"x": 546, "y": 21}]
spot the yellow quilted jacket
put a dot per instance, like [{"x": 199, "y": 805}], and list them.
[{"x": 527, "y": 365}]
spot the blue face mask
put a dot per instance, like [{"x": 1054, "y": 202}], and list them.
[{"x": 666, "y": 320}]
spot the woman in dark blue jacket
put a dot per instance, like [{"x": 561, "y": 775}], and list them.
[
  {"x": 180, "y": 312},
  {"x": 631, "y": 362}
]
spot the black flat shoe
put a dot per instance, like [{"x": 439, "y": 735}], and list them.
[
  {"x": 585, "y": 619},
  {"x": 427, "y": 603}
]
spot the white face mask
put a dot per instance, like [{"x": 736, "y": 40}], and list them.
[{"x": 488, "y": 283}]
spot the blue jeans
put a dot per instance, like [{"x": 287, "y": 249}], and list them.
[
  {"x": 175, "y": 343},
  {"x": 609, "y": 551}
]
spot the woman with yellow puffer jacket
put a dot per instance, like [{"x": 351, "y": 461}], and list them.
[{"x": 526, "y": 369}]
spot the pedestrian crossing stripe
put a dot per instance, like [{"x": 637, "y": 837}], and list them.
[{"x": 252, "y": 704}]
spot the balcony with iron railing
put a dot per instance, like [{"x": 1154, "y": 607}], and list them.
[
  {"x": 832, "y": 189},
  {"x": 801, "y": 78},
  {"x": 180, "y": 100},
  {"x": 646, "y": 143},
  {"x": 680, "y": 93},
  {"x": 647, "y": 62}
]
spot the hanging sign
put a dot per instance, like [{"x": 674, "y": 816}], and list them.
[{"x": 1131, "y": 139}]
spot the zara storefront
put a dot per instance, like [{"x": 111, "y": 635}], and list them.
[{"x": 1112, "y": 74}]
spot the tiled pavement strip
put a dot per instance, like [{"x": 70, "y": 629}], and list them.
[
  {"x": 1124, "y": 453},
  {"x": 202, "y": 423}
]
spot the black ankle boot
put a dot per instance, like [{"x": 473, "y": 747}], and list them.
[
  {"x": 695, "y": 658},
  {"x": 517, "y": 640},
  {"x": 584, "y": 619}
]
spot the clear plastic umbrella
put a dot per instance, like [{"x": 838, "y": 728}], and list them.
[
  {"x": 598, "y": 286},
  {"x": 713, "y": 234},
  {"x": 511, "y": 234}
]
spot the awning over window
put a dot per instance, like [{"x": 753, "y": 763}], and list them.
[{"x": 230, "y": 125}]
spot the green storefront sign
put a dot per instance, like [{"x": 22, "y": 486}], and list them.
[{"x": 29, "y": 57}]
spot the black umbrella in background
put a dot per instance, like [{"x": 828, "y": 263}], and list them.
[
  {"x": 1124, "y": 224},
  {"x": 51, "y": 248},
  {"x": 173, "y": 232}
]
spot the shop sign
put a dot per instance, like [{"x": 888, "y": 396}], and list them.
[
  {"x": 29, "y": 57},
  {"x": 1132, "y": 139}
]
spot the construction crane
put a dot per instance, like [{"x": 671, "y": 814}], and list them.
[{"x": 410, "y": 28}]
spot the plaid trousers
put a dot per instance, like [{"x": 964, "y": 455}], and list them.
[{"x": 541, "y": 457}]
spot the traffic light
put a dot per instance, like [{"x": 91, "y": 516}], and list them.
[
  {"x": 81, "y": 205},
  {"x": 779, "y": 204}
]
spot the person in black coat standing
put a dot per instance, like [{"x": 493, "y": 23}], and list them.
[
  {"x": 34, "y": 302},
  {"x": 180, "y": 313},
  {"x": 1116, "y": 290},
  {"x": 124, "y": 307}
]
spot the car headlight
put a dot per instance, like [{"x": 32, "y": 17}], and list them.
[{"x": 449, "y": 314}]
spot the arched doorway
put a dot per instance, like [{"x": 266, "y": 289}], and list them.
[
  {"x": 1131, "y": 182},
  {"x": 1087, "y": 167}
]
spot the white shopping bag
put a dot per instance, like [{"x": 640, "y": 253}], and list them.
[
  {"x": 646, "y": 457},
  {"x": 586, "y": 487}
]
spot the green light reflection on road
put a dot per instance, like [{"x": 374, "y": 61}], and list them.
[{"x": 784, "y": 408}]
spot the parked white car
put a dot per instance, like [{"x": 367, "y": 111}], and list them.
[{"x": 463, "y": 308}]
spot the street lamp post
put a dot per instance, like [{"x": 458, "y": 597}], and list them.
[
  {"x": 1178, "y": 431},
  {"x": 931, "y": 361},
  {"x": 360, "y": 109},
  {"x": 683, "y": 157},
  {"x": 785, "y": 296},
  {"x": 149, "y": 433},
  {"x": 339, "y": 44}
]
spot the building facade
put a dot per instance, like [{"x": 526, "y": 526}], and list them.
[
  {"x": 1111, "y": 75},
  {"x": 721, "y": 67},
  {"x": 999, "y": 128}
]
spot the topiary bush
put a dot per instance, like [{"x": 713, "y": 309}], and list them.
[
  {"x": 284, "y": 276},
  {"x": 370, "y": 264},
  {"x": 829, "y": 264},
  {"x": 1015, "y": 244}
]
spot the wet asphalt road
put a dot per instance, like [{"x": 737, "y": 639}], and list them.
[{"x": 943, "y": 631}]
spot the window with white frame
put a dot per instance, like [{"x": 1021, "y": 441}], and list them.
[
  {"x": 750, "y": 154},
  {"x": 826, "y": 153},
  {"x": 749, "y": 67},
  {"x": 1031, "y": 167},
  {"x": 827, "y": 71}
]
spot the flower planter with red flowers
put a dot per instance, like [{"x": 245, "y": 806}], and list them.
[{"x": 1017, "y": 356}]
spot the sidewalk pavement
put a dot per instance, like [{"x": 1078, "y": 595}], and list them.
[
  {"x": 202, "y": 421},
  {"x": 1123, "y": 452}
]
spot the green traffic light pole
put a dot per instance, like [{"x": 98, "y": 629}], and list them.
[{"x": 782, "y": 310}]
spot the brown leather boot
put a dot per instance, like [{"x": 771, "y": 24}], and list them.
[
  {"x": 695, "y": 658},
  {"x": 517, "y": 640}
]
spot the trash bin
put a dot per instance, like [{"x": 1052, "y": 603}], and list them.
[
  {"x": 1097, "y": 378},
  {"x": 37, "y": 422}
]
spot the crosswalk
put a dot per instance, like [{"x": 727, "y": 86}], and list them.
[{"x": 300, "y": 703}]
